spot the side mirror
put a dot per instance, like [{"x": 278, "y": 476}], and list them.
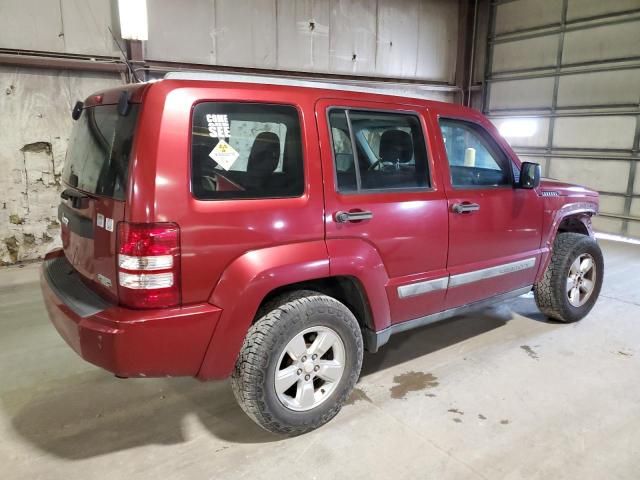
[{"x": 529, "y": 175}]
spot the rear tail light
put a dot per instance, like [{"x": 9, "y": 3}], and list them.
[{"x": 149, "y": 264}]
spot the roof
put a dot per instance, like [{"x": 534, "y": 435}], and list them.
[{"x": 407, "y": 90}]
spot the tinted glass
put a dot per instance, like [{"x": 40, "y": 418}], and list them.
[
  {"x": 246, "y": 150},
  {"x": 474, "y": 158},
  {"x": 390, "y": 151},
  {"x": 97, "y": 159}
]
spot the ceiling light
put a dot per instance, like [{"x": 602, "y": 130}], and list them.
[{"x": 133, "y": 19}]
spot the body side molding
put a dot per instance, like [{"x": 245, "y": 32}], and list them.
[
  {"x": 442, "y": 283},
  {"x": 379, "y": 338}
]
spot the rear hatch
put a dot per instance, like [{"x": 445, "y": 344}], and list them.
[{"x": 93, "y": 201}]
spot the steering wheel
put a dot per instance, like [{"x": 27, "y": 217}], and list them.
[{"x": 380, "y": 165}]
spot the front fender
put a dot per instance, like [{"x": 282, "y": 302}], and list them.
[
  {"x": 582, "y": 210},
  {"x": 243, "y": 286}
]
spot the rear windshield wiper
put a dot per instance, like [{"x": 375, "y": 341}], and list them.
[{"x": 77, "y": 198}]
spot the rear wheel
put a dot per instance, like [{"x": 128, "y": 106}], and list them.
[
  {"x": 571, "y": 283},
  {"x": 298, "y": 363}
]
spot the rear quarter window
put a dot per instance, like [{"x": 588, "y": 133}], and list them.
[{"x": 245, "y": 150}]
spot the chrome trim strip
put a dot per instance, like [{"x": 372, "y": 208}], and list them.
[
  {"x": 419, "y": 288},
  {"x": 491, "y": 272},
  {"x": 376, "y": 339},
  {"x": 442, "y": 283}
]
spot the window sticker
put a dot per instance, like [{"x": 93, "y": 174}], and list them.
[
  {"x": 218, "y": 126},
  {"x": 224, "y": 154},
  {"x": 108, "y": 224},
  {"x": 100, "y": 220}
]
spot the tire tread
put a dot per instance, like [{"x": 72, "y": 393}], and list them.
[
  {"x": 248, "y": 376},
  {"x": 550, "y": 290}
]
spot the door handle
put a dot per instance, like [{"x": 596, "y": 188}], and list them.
[
  {"x": 465, "y": 207},
  {"x": 344, "y": 217}
]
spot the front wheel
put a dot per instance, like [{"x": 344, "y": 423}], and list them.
[
  {"x": 299, "y": 362},
  {"x": 571, "y": 283}
]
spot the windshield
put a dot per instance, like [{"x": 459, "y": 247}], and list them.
[{"x": 98, "y": 155}]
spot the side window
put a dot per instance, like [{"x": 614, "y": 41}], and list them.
[
  {"x": 378, "y": 151},
  {"x": 245, "y": 150},
  {"x": 474, "y": 158}
]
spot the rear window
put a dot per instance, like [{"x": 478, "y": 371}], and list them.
[
  {"x": 97, "y": 159},
  {"x": 246, "y": 150}
]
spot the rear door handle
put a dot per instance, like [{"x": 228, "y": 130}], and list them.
[
  {"x": 344, "y": 217},
  {"x": 465, "y": 207}
]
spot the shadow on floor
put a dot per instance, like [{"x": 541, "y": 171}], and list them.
[{"x": 92, "y": 413}]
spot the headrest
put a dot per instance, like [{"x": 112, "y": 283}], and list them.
[
  {"x": 265, "y": 154},
  {"x": 396, "y": 146}
]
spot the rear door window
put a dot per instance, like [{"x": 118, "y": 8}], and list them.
[
  {"x": 246, "y": 150},
  {"x": 97, "y": 160},
  {"x": 378, "y": 151}
]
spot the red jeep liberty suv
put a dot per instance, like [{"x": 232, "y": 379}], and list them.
[{"x": 271, "y": 230}]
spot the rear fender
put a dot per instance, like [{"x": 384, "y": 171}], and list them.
[
  {"x": 359, "y": 259},
  {"x": 243, "y": 286}
]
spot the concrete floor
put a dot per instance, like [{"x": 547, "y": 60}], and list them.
[{"x": 503, "y": 394}]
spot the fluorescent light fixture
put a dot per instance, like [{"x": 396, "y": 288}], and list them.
[
  {"x": 133, "y": 19},
  {"x": 518, "y": 127}
]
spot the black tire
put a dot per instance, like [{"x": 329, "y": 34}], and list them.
[
  {"x": 551, "y": 291},
  {"x": 280, "y": 321}
]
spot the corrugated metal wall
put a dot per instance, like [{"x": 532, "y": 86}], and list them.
[
  {"x": 574, "y": 67},
  {"x": 414, "y": 39}
]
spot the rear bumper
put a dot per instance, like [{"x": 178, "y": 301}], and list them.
[{"x": 129, "y": 343}]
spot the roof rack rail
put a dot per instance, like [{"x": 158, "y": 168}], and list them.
[{"x": 408, "y": 90}]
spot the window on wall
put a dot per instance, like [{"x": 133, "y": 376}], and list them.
[
  {"x": 474, "y": 158},
  {"x": 378, "y": 151},
  {"x": 246, "y": 150}
]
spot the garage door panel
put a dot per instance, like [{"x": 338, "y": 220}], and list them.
[
  {"x": 522, "y": 14},
  {"x": 605, "y": 132},
  {"x": 522, "y": 54},
  {"x": 537, "y": 159},
  {"x": 607, "y": 225},
  {"x": 636, "y": 183},
  {"x": 608, "y": 176},
  {"x": 600, "y": 88},
  {"x": 633, "y": 230},
  {"x": 602, "y": 43},
  {"x": 612, "y": 204},
  {"x": 515, "y": 94},
  {"x": 577, "y": 9},
  {"x": 538, "y": 139}
]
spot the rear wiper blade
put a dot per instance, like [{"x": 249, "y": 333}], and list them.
[
  {"x": 69, "y": 193},
  {"x": 78, "y": 199}
]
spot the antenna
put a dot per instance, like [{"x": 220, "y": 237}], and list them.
[{"x": 132, "y": 71}]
